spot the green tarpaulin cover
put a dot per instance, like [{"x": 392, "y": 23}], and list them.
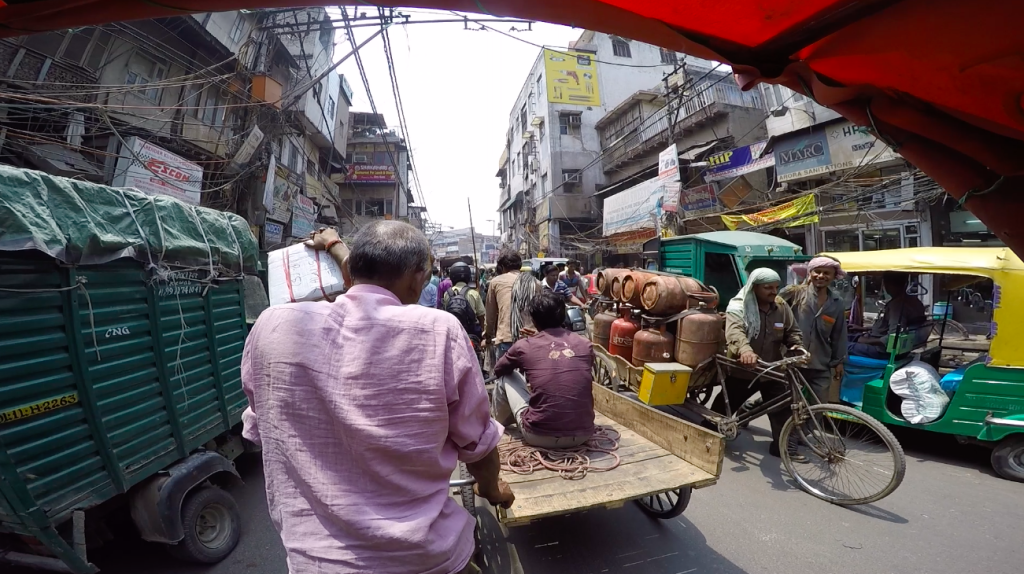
[{"x": 84, "y": 223}]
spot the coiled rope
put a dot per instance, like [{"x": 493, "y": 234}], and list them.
[{"x": 570, "y": 463}]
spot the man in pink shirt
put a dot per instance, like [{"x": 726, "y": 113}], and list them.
[{"x": 363, "y": 407}]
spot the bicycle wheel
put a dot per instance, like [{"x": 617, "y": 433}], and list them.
[
  {"x": 666, "y": 504},
  {"x": 846, "y": 457},
  {"x": 466, "y": 492},
  {"x": 953, "y": 328}
]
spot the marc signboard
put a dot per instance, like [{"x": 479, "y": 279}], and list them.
[{"x": 801, "y": 156}]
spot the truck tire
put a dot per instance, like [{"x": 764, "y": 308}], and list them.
[
  {"x": 1008, "y": 458},
  {"x": 212, "y": 526}
]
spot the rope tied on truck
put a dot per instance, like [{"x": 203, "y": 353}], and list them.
[{"x": 570, "y": 463}]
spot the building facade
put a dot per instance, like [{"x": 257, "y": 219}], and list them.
[
  {"x": 215, "y": 109},
  {"x": 377, "y": 183},
  {"x": 701, "y": 112},
  {"x": 550, "y": 167}
]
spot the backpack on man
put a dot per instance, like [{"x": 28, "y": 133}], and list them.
[{"x": 458, "y": 305}]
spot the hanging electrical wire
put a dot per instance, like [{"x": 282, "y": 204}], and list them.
[
  {"x": 369, "y": 97},
  {"x": 402, "y": 123}
]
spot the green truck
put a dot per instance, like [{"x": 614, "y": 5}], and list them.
[
  {"x": 722, "y": 259},
  {"x": 122, "y": 324}
]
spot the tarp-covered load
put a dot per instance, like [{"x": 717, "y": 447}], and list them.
[{"x": 84, "y": 223}]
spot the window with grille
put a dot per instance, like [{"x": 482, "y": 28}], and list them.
[
  {"x": 144, "y": 70},
  {"x": 668, "y": 57},
  {"x": 569, "y": 124},
  {"x": 213, "y": 109},
  {"x": 620, "y": 48},
  {"x": 238, "y": 29}
]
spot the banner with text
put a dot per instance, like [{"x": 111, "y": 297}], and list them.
[
  {"x": 792, "y": 214},
  {"x": 631, "y": 209},
  {"x": 739, "y": 161},
  {"x": 700, "y": 200},
  {"x": 835, "y": 147}
]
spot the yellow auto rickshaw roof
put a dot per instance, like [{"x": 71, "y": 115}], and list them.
[{"x": 993, "y": 262}]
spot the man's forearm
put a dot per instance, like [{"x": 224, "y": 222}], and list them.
[
  {"x": 485, "y": 471},
  {"x": 338, "y": 253}
]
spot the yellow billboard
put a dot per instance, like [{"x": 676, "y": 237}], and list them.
[{"x": 571, "y": 78}]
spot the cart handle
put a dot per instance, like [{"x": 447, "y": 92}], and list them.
[{"x": 460, "y": 482}]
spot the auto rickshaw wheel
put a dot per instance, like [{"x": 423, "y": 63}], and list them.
[{"x": 1008, "y": 458}]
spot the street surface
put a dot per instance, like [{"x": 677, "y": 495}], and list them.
[{"x": 950, "y": 516}]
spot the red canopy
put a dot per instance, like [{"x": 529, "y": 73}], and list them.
[{"x": 942, "y": 80}]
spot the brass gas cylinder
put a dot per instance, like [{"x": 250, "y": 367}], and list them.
[
  {"x": 699, "y": 335},
  {"x": 652, "y": 345}
]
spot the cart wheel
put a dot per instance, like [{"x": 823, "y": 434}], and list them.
[
  {"x": 603, "y": 373},
  {"x": 666, "y": 504},
  {"x": 466, "y": 494},
  {"x": 1008, "y": 458},
  {"x": 212, "y": 526}
]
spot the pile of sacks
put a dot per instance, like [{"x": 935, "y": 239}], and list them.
[{"x": 923, "y": 398}]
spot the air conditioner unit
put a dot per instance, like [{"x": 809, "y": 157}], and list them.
[
  {"x": 571, "y": 177},
  {"x": 533, "y": 165},
  {"x": 359, "y": 159}
]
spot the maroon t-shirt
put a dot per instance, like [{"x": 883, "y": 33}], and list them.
[{"x": 557, "y": 366}]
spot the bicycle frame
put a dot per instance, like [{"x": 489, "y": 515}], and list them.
[{"x": 798, "y": 388}]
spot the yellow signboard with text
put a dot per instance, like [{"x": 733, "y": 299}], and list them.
[{"x": 571, "y": 78}]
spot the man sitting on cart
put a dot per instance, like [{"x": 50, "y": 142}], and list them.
[
  {"x": 759, "y": 325},
  {"x": 556, "y": 409},
  {"x": 902, "y": 312}
]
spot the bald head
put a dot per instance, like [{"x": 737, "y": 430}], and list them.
[{"x": 393, "y": 255}]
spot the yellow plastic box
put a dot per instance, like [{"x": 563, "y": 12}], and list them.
[{"x": 664, "y": 383}]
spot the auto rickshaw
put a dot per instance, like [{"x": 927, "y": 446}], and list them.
[{"x": 987, "y": 405}]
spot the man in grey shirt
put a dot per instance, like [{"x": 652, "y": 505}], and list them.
[{"x": 820, "y": 313}]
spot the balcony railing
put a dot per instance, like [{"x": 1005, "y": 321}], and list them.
[
  {"x": 21, "y": 64},
  {"x": 642, "y": 132}
]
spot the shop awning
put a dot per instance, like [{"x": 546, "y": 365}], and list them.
[{"x": 941, "y": 80}]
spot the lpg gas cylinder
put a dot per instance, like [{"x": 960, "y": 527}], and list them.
[
  {"x": 699, "y": 335},
  {"x": 651, "y": 345},
  {"x": 601, "y": 334},
  {"x": 623, "y": 330}
]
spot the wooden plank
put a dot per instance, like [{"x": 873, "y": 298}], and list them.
[
  {"x": 555, "y": 496},
  {"x": 696, "y": 445}
]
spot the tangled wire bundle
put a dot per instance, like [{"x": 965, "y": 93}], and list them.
[{"x": 571, "y": 463}]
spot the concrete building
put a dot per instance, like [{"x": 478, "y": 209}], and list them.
[
  {"x": 459, "y": 242},
  {"x": 701, "y": 111},
  {"x": 549, "y": 170},
  {"x": 210, "y": 97},
  {"x": 377, "y": 183}
]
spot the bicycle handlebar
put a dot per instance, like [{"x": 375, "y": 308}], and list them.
[{"x": 803, "y": 357}]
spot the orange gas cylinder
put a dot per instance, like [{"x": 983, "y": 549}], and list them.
[
  {"x": 601, "y": 334},
  {"x": 623, "y": 330},
  {"x": 652, "y": 345},
  {"x": 699, "y": 335}
]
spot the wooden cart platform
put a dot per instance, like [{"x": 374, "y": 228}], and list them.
[{"x": 658, "y": 453}]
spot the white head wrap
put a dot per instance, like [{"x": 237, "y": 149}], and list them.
[{"x": 744, "y": 304}]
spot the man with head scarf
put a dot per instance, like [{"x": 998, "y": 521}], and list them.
[
  {"x": 820, "y": 314},
  {"x": 759, "y": 325}
]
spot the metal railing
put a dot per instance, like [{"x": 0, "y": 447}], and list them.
[{"x": 641, "y": 132}]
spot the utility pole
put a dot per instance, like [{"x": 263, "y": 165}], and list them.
[{"x": 472, "y": 232}]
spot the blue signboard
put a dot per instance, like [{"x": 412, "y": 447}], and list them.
[
  {"x": 802, "y": 155},
  {"x": 736, "y": 162}
]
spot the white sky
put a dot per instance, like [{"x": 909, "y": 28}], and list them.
[{"x": 458, "y": 88}]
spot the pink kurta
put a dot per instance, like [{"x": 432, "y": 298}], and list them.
[{"x": 363, "y": 408}]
